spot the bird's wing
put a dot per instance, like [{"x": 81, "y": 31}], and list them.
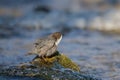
[
  {"x": 39, "y": 42},
  {"x": 39, "y": 47},
  {"x": 51, "y": 51},
  {"x": 34, "y": 49},
  {"x": 45, "y": 46}
]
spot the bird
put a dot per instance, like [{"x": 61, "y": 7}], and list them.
[{"x": 46, "y": 46}]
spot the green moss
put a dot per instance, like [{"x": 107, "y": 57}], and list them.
[{"x": 67, "y": 63}]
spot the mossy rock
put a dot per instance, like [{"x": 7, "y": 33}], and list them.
[{"x": 59, "y": 59}]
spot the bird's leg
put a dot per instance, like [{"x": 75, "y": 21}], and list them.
[{"x": 43, "y": 58}]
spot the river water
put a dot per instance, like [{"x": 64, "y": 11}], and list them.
[{"x": 95, "y": 52}]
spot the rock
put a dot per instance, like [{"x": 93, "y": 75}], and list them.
[
  {"x": 59, "y": 59},
  {"x": 57, "y": 67}
]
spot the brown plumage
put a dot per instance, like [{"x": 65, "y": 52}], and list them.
[{"x": 47, "y": 46}]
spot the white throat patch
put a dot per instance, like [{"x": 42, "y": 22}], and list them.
[{"x": 58, "y": 41}]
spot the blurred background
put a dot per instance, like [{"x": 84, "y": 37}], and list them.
[{"x": 91, "y": 30}]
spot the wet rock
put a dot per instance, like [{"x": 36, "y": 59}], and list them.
[
  {"x": 56, "y": 67},
  {"x": 46, "y": 73}
]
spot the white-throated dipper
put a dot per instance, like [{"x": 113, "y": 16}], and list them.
[{"x": 46, "y": 46}]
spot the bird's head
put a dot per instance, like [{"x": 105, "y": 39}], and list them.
[{"x": 57, "y": 36}]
